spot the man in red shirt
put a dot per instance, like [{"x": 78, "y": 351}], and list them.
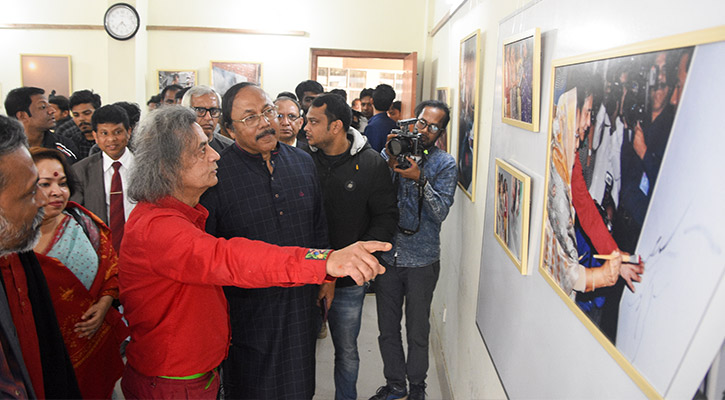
[{"x": 171, "y": 271}]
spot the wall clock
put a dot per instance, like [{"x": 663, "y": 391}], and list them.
[{"x": 121, "y": 21}]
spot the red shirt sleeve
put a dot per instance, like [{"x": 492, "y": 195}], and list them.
[
  {"x": 589, "y": 217},
  {"x": 184, "y": 253}
]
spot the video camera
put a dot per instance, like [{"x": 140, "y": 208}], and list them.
[{"x": 405, "y": 143}]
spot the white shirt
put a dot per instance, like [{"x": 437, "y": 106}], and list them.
[{"x": 126, "y": 161}]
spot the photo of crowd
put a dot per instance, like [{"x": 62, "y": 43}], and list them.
[{"x": 617, "y": 199}]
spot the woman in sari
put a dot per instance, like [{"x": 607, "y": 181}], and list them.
[{"x": 80, "y": 265}]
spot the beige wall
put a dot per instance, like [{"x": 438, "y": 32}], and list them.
[{"x": 127, "y": 70}]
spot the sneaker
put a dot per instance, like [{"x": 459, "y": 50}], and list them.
[
  {"x": 417, "y": 392},
  {"x": 390, "y": 392},
  {"x": 323, "y": 331}
]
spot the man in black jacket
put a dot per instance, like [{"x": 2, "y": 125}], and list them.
[{"x": 360, "y": 204}]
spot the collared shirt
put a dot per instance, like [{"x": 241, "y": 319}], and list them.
[
  {"x": 126, "y": 161},
  {"x": 423, "y": 248},
  {"x": 170, "y": 276},
  {"x": 284, "y": 207}
]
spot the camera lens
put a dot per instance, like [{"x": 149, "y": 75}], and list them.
[{"x": 396, "y": 146}]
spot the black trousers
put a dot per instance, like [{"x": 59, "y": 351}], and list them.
[{"x": 412, "y": 287}]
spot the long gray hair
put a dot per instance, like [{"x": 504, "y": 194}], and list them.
[{"x": 160, "y": 143}]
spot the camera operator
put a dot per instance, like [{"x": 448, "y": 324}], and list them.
[{"x": 425, "y": 190}]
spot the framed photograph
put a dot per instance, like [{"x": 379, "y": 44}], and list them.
[
  {"x": 48, "y": 72},
  {"x": 176, "y": 77},
  {"x": 225, "y": 74},
  {"x": 444, "y": 142},
  {"x": 512, "y": 204},
  {"x": 521, "y": 80},
  {"x": 470, "y": 67},
  {"x": 629, "y": 184}
]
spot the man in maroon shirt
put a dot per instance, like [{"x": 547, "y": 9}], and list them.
[{"x": 171, "y": 271}]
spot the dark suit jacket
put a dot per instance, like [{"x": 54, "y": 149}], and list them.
[{"x": 90, "y": 192}]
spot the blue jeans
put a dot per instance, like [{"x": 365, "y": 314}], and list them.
[{"x": 344, "y": 318}]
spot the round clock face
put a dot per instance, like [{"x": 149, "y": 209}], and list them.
[{"x": 121, "y": 21}]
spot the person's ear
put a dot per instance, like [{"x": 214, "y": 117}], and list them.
[{"x": 22, "y": 115}]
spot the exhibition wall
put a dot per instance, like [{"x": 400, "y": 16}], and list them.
[{"x": 539, "y": 346}]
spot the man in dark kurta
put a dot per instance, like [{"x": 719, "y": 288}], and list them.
[{"x": 267, "y": 191}]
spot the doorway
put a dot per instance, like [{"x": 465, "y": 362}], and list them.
[{"x": 354, "y": 70}]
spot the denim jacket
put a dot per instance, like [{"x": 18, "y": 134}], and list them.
[{"x": 424, "y": 247}]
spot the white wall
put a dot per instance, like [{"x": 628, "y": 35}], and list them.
[{"x": 540, "y": 349}]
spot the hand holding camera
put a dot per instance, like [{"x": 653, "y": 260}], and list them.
[{"x": 404, "y": 145}]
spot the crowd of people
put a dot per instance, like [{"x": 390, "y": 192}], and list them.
[{"x": 201, "y": 252}]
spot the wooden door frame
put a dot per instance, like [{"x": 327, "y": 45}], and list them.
[{"x": 318, "y": 52}]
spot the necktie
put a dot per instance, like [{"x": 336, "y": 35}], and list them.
[{"x": 117, "y": 218}]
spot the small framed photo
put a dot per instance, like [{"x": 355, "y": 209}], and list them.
[
  {"x": 512, "y": 201},
  {"x": 521, "y": 80},
  {"x": 444, "y": 142},
  {"x": 183, "y": 78},
  {"x": 48, "y": 72},
  {"x": 468, "y": 112},
  {"x": 225, "y": 74}
]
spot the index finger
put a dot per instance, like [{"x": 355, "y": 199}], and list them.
[{"x": 372, "y": 246}]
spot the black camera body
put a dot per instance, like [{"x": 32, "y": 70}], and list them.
[{"x": 405, "y": 143}]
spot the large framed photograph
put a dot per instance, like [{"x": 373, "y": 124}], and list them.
[
  {"x": 521, "y": 80},
  {"x": 632, "y": 158},
  {"x": 176, "y": 77},
  {"x": 468, "y": 86},
  {"x": 225, "y": 74},
  {"x": 512, "y": 204},
  {"x": 48, "y": 72},
  {"x": 444, "y": 141}
]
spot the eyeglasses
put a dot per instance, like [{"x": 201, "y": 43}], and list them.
[
  {"x": 290, "y": 117},
  {"x": 253, "y": 120},
  {"x": 422, "y": 124},
  {"x": 214, "y": 112}
]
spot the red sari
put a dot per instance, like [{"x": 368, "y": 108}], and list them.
[{"x": 96, "y": 360}]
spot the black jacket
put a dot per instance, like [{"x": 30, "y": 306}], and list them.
[{"x": 359, "y": 196}]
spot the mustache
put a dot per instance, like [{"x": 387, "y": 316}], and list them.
[{"x": 264, "y": 133}]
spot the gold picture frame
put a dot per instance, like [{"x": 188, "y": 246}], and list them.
[
  {"x": 48, "y": 72},
  {"x": 512, "y": 203},
  {"x": 468, "y": 112},
  {"x": 521, "y": 80},
  {"x": 225, "y": 74},
  {"x": 444, "y": 142},
  {"x": 669, "y": 78}
]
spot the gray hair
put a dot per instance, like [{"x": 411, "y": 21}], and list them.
[
  {"x": 12, "y": 137},
  {"x": 297, "y": 103},
  {"x": 161, "y": 142},
  {"x": 199, "y": 90}
]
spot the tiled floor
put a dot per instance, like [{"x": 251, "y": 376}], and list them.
[{"x": 371, "y": 365}]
